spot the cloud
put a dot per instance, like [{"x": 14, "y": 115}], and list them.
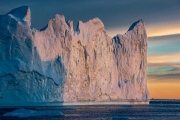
[
  {"x": 164, "y": 67},
  {"x": 175, "y": 68},
  {"x": 117, "y": 15},
  {"x": 172, "y": 58},
  {"x": 167, "y": 44},
  {"x": 160, "y": 64},
  {"x": 165, "y": 39},
  {"x": 154, "y": 32},
  {"x": 164, "y": 76},
  {"x": 166, "y": 29}
]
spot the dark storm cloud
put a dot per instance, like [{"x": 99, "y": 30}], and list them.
[{"x": 114, "y": 13}]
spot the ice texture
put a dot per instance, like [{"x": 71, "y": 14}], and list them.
[{"x": 58, "y": 63}]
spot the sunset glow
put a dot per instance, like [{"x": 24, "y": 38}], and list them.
[
  {"x": 164, "y": 29},
  {"x": 153, "y": 30},
  {"x": 164, "y": 89}
]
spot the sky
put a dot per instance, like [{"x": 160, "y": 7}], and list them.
[{"x": 162, "y": 22}]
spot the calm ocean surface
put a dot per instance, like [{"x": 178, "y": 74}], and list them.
[{"x": 156, "y": 110}]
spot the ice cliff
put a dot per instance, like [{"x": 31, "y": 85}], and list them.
[{"x": 58, "y": 63}]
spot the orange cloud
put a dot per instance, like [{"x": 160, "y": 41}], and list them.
[
  {"x": 165, "y": 29},
  {"x": 164, "y": 58}
]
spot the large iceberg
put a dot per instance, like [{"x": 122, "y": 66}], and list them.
[{"x": 60, "y": 64}]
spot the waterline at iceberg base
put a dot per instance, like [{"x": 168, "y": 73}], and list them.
[{"x": 36, "y": 104}]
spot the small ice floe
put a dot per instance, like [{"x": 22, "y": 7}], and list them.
[{"x": 33, "y": 113}]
